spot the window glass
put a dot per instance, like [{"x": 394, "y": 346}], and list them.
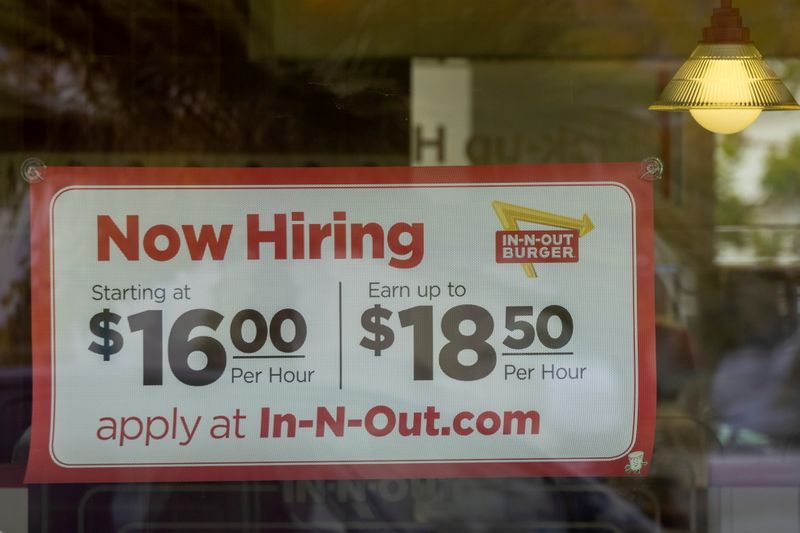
[{"x": 357, "y": 83}]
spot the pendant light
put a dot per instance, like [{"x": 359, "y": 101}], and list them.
[{"x": 725, "y": 84}]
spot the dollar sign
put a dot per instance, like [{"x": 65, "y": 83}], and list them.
[
  {"x": 383, "y": 334},
  {"x": 100, "y": 325}
]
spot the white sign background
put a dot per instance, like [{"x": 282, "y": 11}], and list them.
[{"x": 593, "y": 417}]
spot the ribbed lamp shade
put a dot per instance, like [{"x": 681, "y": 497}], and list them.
[
  {"x": 725, "y": 84},
  {"x": 725, "y": 76}
]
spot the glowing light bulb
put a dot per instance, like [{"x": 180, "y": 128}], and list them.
[
  {"x": 726, "y": 82},
  {"x": 725, "y": 121}
]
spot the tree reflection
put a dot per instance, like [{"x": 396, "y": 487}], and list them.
[{"x": 121, "y": 82}]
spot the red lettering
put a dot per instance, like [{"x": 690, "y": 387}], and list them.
[
  {"x": 369, "y": 422},
  {"x": 264, "y": 430},
  {"x": 458, "y": 423},
  {"x": 324, "y": 418},
  {"x": 359, "y": 231},
  {"x": 127, "y": 243},
  {"x": 298, "y": 236},
  {"x": 317, "y": 233},
  {"x": 290, "y": 421},
  {"x": 217, "y": 245},
  {"x": 339, "y": 235},
  {"x": 123, "y": 429},
  {"x": 488, "y": 423},
  {"x": 173, "y": 242},
  {"x": 257, "y": 236},
  {"x": 414, "y": 249},
  {"x": 519, "y": 419},
  {"x": 150, "y": 433},
  {"x": 413, "y": 429}
]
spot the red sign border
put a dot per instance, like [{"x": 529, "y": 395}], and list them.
[{"x": 42, "y": 468}]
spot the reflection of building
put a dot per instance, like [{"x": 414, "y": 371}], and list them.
[
  {"x": 756, "y": 246},
  {"x": 771, "y": 242}
]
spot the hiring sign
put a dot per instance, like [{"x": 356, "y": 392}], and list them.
[{"x": 231, "y": 324}]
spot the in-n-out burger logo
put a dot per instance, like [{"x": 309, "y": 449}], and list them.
[
  {"x": 515, "y": 245},
  {"x": 281, "y": 237}
]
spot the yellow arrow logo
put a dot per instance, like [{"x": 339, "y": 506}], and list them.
[{"x": 510, "y": 215}]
